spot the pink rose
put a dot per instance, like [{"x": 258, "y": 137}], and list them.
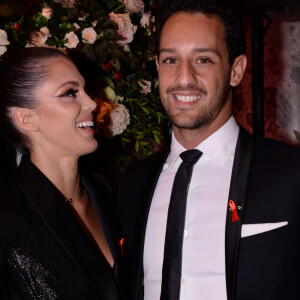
[
  {"x": 39, "y": 38},
  {"x": 72, "y": 40},
  {"x": 89, "y": 35},
  {"x": 47, "y": 12},
  {"x": 134, "y": 6},
  {"x": 125, "y": 28}
]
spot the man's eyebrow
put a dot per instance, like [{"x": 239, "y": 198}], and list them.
[
  {"x": 204, "y": 50},
  {"x": 168, "y": 50},
  {"x": 196, "y": 50}
]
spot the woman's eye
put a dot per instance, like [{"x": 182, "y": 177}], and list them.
[{"x": 70, "y": 93}]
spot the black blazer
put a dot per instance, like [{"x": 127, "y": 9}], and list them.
[
  {"x": 44, "y": 251},
  {"x": 265, "y": 183}
]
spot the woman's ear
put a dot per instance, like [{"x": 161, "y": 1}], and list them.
[
  {"x": 237, "y": 70},
  {"x": 25, "y": 118},
  {"x": 157, "y": 63}
]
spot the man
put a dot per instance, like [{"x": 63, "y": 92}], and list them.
[{"x": 242, "y": 220}]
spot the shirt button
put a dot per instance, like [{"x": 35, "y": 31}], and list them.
[
  {"x": 185, "y": 233},
  {"x": 183, "y": 281}
]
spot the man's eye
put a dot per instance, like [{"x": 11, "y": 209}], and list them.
[
  {"x": 170, "y": 60},
  {"x": 203, "y": 60},
  {"x": 70, "y": 93}
]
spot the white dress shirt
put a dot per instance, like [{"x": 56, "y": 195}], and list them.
[{"x": 203, "y": 257}]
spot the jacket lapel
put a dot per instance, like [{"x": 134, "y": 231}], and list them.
[
  {"x": 151, "y": 178},
  {"x": 60, "y": 220},
  {"x": 98, "y": 189},
  {"x": 237, "y": 193}
]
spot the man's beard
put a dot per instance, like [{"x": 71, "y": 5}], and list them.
[{"x": 207, "y": 114}]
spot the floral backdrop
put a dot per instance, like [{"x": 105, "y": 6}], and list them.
[{"x": 112, "y": 43}]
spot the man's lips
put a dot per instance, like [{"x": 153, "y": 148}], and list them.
[{"x": 187, "y": 98}]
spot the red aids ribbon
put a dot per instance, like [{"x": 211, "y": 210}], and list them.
[
  {"x": 235, "y": 216},
  {"x": 122, "y": 246}
]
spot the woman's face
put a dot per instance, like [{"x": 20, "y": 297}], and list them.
[{"x": 64, "y": 112}]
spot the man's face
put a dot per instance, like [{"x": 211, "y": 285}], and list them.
[{"x": 194, "y": 70}]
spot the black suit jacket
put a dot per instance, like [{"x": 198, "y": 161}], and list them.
[
  {"x": 265, "y": 183},
  {"x": 45, "y": 252}
]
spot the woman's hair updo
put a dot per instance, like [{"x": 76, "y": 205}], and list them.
[{"x": 21, "y": 73}]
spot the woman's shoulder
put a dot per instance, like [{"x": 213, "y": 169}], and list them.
[{"x": 10, "y": 197}]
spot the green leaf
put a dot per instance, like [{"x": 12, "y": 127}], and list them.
[
  {"x": 156, "y": 132},
  {"x": 159, "y": 119},
  {"x": 157, "y": 139},
  {"x": 66, "y": 26},
  {"x": 137, "y": 147},
  {"x": 111, "y": 3},
  {"x": 140, "y": 133},
  {"x": 40, "y": 19},
  {"x": 126, "y": 140},
  {"x": 145, "y": 110},
  {"x": 143, "y": 143}
]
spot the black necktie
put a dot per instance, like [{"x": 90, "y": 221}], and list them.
[{"x": 171, "y": 272}]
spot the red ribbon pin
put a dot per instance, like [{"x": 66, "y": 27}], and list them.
[
  {"x": 122, "y": 246},
  {"x": 235, "y": 216}
]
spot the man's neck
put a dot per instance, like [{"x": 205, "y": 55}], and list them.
[{"x": 191, "y": 138}]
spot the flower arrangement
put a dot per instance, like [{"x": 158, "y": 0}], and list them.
[{"x": 112, "y": 43}]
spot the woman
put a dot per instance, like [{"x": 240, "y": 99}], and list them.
[{"x": 58, "y": 234}]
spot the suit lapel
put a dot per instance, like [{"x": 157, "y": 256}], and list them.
[
  {"x": 151, "y": 178},
  {"x": 102, "y": 199},
  {"x": 237, "y": 193},
  {"x": 60, "y": 220}
]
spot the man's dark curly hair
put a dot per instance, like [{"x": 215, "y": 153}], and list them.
[{"x": 232, "y": 21}]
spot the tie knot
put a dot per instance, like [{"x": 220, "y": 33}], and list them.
[{"x": 191, "y": 156}]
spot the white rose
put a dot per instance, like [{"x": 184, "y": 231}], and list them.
[
  {"x": 73, "y": 40},
  {"x": 47, "y": 12},
  {"x": 134, "y": 6},
  {"x": 145, "y": 86},
  {"x": 89, "y": 35},
  {"x": 145, "y": 20},
  {"x": 3, "y": 42},
  {"x": 120, "y": 118}
]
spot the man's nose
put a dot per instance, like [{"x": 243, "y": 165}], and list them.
[{"x": 186, "y": 75}]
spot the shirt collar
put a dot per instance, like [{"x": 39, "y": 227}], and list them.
[{"x": 218, "y": 146}]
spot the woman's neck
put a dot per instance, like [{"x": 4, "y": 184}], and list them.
[{"x": 62, "y": 172}]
